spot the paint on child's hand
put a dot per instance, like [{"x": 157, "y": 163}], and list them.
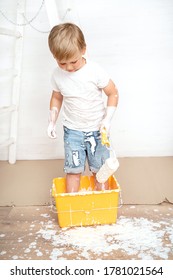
[{"x": 104, "y": 138}]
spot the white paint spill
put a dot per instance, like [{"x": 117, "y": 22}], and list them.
[
  {"x": 20, "y": 240},
  {"x": 39, "y": 254},
  {"x": 32, "y": 226},
  {"x": 135, "y": 236},
  {"x": 47, "y": 234},
  {"x": 45, "y": 215},
  {"x": 70, "y": 252},
  {"x": 3, "y": 253},
  {"x": 27, "y": 251},
  {"x": 33, "y": 245},
  {"x": 15, "y": 257},
  {"x": 56, "y": 253}
]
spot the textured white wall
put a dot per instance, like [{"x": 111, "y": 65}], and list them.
[{"x": 133, "y": 40}]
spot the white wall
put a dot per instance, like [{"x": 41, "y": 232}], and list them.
[{"x": 133, "y": 40}]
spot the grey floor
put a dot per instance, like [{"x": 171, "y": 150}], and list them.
[{"x": 142, "y": 232}]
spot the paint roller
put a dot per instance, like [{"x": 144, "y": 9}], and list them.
[{"x": 111, "y": 164}]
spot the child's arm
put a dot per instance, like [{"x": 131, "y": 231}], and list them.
[
  {"x": 55, "y": 106},
  {"x": 112, "y": 93}
]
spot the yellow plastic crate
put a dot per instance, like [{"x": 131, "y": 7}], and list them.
[{"x": 86, "y": 207}]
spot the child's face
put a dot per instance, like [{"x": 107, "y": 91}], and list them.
[{"x": 73, "y": 64}]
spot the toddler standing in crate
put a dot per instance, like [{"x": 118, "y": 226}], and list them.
[{"x": 78, "y": 84}]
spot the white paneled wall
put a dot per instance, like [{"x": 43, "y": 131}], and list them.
[{"x": 132, "y": 39}]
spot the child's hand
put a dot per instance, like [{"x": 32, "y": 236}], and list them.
[
  {"x": 106, "y": 122},
  {"x": 104, "y": 138},
  {"x": 105, "y": 126},
  {"x": 51, "y": 131}
]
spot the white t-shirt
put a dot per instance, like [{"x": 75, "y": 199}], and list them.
[{"x": 83, "y": 103}]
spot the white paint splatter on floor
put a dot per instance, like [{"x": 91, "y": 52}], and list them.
[
  {"x": 147, "y": 235},
  {"x": 2, "y": 253},
  {"x": 135, "y": 236},
  {"x": 15, "y": 257}
]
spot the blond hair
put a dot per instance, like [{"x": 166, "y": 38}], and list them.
[{"x": 65, "y": 40}]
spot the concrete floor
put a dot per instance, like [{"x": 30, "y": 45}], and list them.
[{"x": 141, "y": 232}]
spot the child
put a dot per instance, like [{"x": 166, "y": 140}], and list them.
[{"x": 78, "y": 84}]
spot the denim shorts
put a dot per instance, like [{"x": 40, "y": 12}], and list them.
[{"x": 79, "y": 147}]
